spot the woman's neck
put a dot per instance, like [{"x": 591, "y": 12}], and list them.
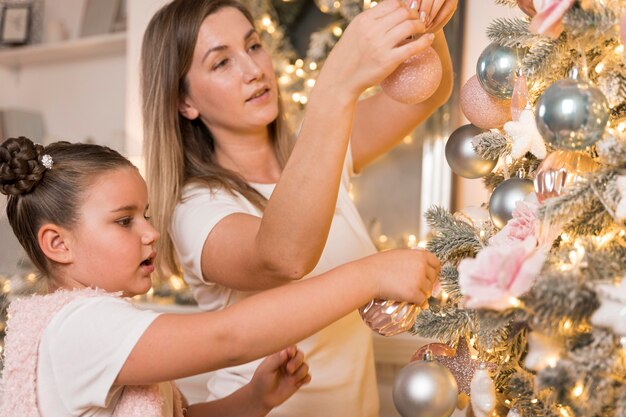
[{"x": 252, "y": 156}]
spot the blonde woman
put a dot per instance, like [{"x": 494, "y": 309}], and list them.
[{"x": 241, "y": 208}]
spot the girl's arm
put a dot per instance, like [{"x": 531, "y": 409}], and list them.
[
  {"x": 380, "y": 122},
  {"x": 177, "y": 346},
  {"x": 276, "y": 379},
  {"x": 248, "y": 253}
]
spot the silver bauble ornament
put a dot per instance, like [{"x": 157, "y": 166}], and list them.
[
  {"x": 388, "y": 317},
  {"x": 425, "y": 389},
  {"x": 496, "y": 69},
  {"x": 572, "y": 114},
  {"x": 504, "y": 197},
  {"x": 462, "y": 158}
]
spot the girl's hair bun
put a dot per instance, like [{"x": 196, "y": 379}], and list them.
[{"x": 20, "y": 165}]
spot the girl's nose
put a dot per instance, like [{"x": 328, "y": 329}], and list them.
[{"x": 150, "y": 235}]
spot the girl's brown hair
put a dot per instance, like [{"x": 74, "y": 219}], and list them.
[
  {"x": 50, "y": 192},
  {"x": 179, "y": 151}
]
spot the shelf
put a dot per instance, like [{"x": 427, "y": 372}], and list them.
[{"x": 93, "y": 46}]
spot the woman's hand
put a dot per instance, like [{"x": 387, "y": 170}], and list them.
[
  {"x": 404, "y": 274},
  {"x": 436, "y": 13},
  {"x": 373, "y": 46}
]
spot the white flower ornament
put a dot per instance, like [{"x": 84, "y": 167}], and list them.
[{"x": 525, "y": 136}]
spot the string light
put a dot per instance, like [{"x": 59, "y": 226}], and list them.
[
  {"x": 176, "y": 282},
  {"x": 578, "y": 390},
  {"x": 514, "y": 302},
  {"x": 600, "y": 67},
  {"x": 312, "y": 66},
  {"x": 337, "y": 31}
]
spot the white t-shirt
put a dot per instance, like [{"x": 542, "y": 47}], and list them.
[
  {"x": 340, "y": 356},
  {"x": 81, "y": 352}
]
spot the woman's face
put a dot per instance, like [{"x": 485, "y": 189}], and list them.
[{"x": 231, "y": 82}]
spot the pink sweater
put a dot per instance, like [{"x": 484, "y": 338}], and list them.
[{"x": 28, "y": 318}]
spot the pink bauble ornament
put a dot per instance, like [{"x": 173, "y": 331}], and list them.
[
  {"x": 481, "y": 108},
  {"x": 527, "y": 7},
  {"x": 436, "y": 349},
  {"x": 416, "y": 79}
]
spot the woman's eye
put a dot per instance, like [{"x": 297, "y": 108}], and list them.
[
  {"x": 221, "y": 64},
  {"x": 147, "y": 217},
  {"x": 256, "y": 47}
]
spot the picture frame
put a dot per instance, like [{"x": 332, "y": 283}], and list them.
[
  {"x": 15, "y": 24},
  {"x": 99, "y": 17}
]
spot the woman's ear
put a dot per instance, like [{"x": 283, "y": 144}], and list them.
[
  {"x": 53, "y": 244},
  {"x": 187, "y": 110}
]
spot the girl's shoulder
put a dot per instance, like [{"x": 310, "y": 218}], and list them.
[{"x": 47, "y": 303}]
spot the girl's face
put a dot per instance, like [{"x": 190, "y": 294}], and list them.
[
  {"x": 231, "y": 82},
  {"x": 113, "y": 242}
]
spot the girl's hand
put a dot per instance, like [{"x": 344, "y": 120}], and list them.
[
  {"x": 279, "y": 376},
  {"x": 436, "y": 13},
  {"x": 404, "y": 274},
  {"x": 373, "y": 46}
]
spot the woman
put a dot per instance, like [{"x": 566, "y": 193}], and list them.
[{"x": 241, "y": 208}]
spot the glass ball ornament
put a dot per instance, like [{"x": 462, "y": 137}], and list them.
[
  {"x": 462, "y": 157},
  {"x": 481, "y": 108},
  {"x": 496, "y": 70},
  {"x": 388, "y": 317},
  {"x": 416, "y": 79},
  {"x": 458, "y": 361},
  {"x": 572, "y": 114},
  {"x": 425, "y": 388},
  {"x": 559, "y": 170},
  {"x": 505, "y": 196}
]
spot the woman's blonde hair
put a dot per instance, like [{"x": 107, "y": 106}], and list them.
[{"x": 180, "y": 151}]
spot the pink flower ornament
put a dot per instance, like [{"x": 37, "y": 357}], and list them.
[
  {"x": 500, "y": 274},
  {"x": 523, "y": 225},
  {"x": 549, "y": 15}
]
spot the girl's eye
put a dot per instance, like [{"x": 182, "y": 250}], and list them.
[
  {"x": 125, "y": 222},
  {"x": 256, "y": 47},
  {"x": 146, "y": 217}
]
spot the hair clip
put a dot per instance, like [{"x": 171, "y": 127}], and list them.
[{"x": 46, "y": 161}]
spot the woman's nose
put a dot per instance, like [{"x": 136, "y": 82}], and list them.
[{"x": 250, "y": 69}]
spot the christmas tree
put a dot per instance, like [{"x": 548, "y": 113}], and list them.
[{"x": 533, "y": 284}]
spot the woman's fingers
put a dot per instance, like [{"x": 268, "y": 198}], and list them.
[{"x": 384, "y": 8}]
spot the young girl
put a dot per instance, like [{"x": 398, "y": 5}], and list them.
[
  {"x": 241, "y": 212},
  {"x": 81, "y": 213}
]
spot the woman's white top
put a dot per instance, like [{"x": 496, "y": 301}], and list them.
[{"x": 340, "y": 356}]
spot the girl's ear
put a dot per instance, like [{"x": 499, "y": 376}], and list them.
[
  {"x": 52, "y": 241},
  {"x": 187, "y": 110}
]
